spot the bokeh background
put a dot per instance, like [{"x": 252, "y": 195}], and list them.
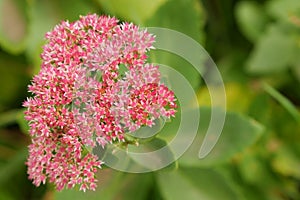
[{"x": 256, "y": 46}]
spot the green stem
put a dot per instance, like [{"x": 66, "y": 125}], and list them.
[{"x": 283, "y": 101}]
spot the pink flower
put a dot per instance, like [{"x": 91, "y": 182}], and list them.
[{"x": 82, "y": 99}]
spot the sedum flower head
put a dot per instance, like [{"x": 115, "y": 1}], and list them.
[{"x": 94, "y": 86}]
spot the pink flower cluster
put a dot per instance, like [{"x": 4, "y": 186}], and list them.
[{"x": 94, "y": 86}]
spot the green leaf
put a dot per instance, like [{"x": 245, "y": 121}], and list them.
[
  {"x": 251, "y": 19},
  {"x": 137, "y": 11},
  {"x": 193, "y": 183},
  {"x": 184, "y": 16},
  {"x": 263, "y": 189},
  {"x": 158, "y": 158},
  {"x": 13, "y": 25},
  {"x": 274, "y": 52},
  {"x": 145, "y": 157},
  {"x": 179, "y": 64},
  {"x": 283, "y": 101},
  {"x": 112, "y": 185},
  {"x": 239, "y": 132}
]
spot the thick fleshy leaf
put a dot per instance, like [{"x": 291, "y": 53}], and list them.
[
  {"x": 140, "y": 158},
  {"x": 238, "y": 133},
  {"x": 194, "y": 183},
  {"x": 161, "y": 154},
  {"x": 184, "y": 16},
  {"x": 13, "y": 25}
]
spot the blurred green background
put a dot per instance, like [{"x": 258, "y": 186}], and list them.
[{"x": 256, "y": 46}]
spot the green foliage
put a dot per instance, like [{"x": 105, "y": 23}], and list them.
[
  {"x": 274, "y": 52},
  {"x": 238, "y": 133},
  {"x": 172, "y": 15},
  {"x": 112, "y": 189},
  {"x": 256, "y": 45},
  {"x": 195, "y": 183}
]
